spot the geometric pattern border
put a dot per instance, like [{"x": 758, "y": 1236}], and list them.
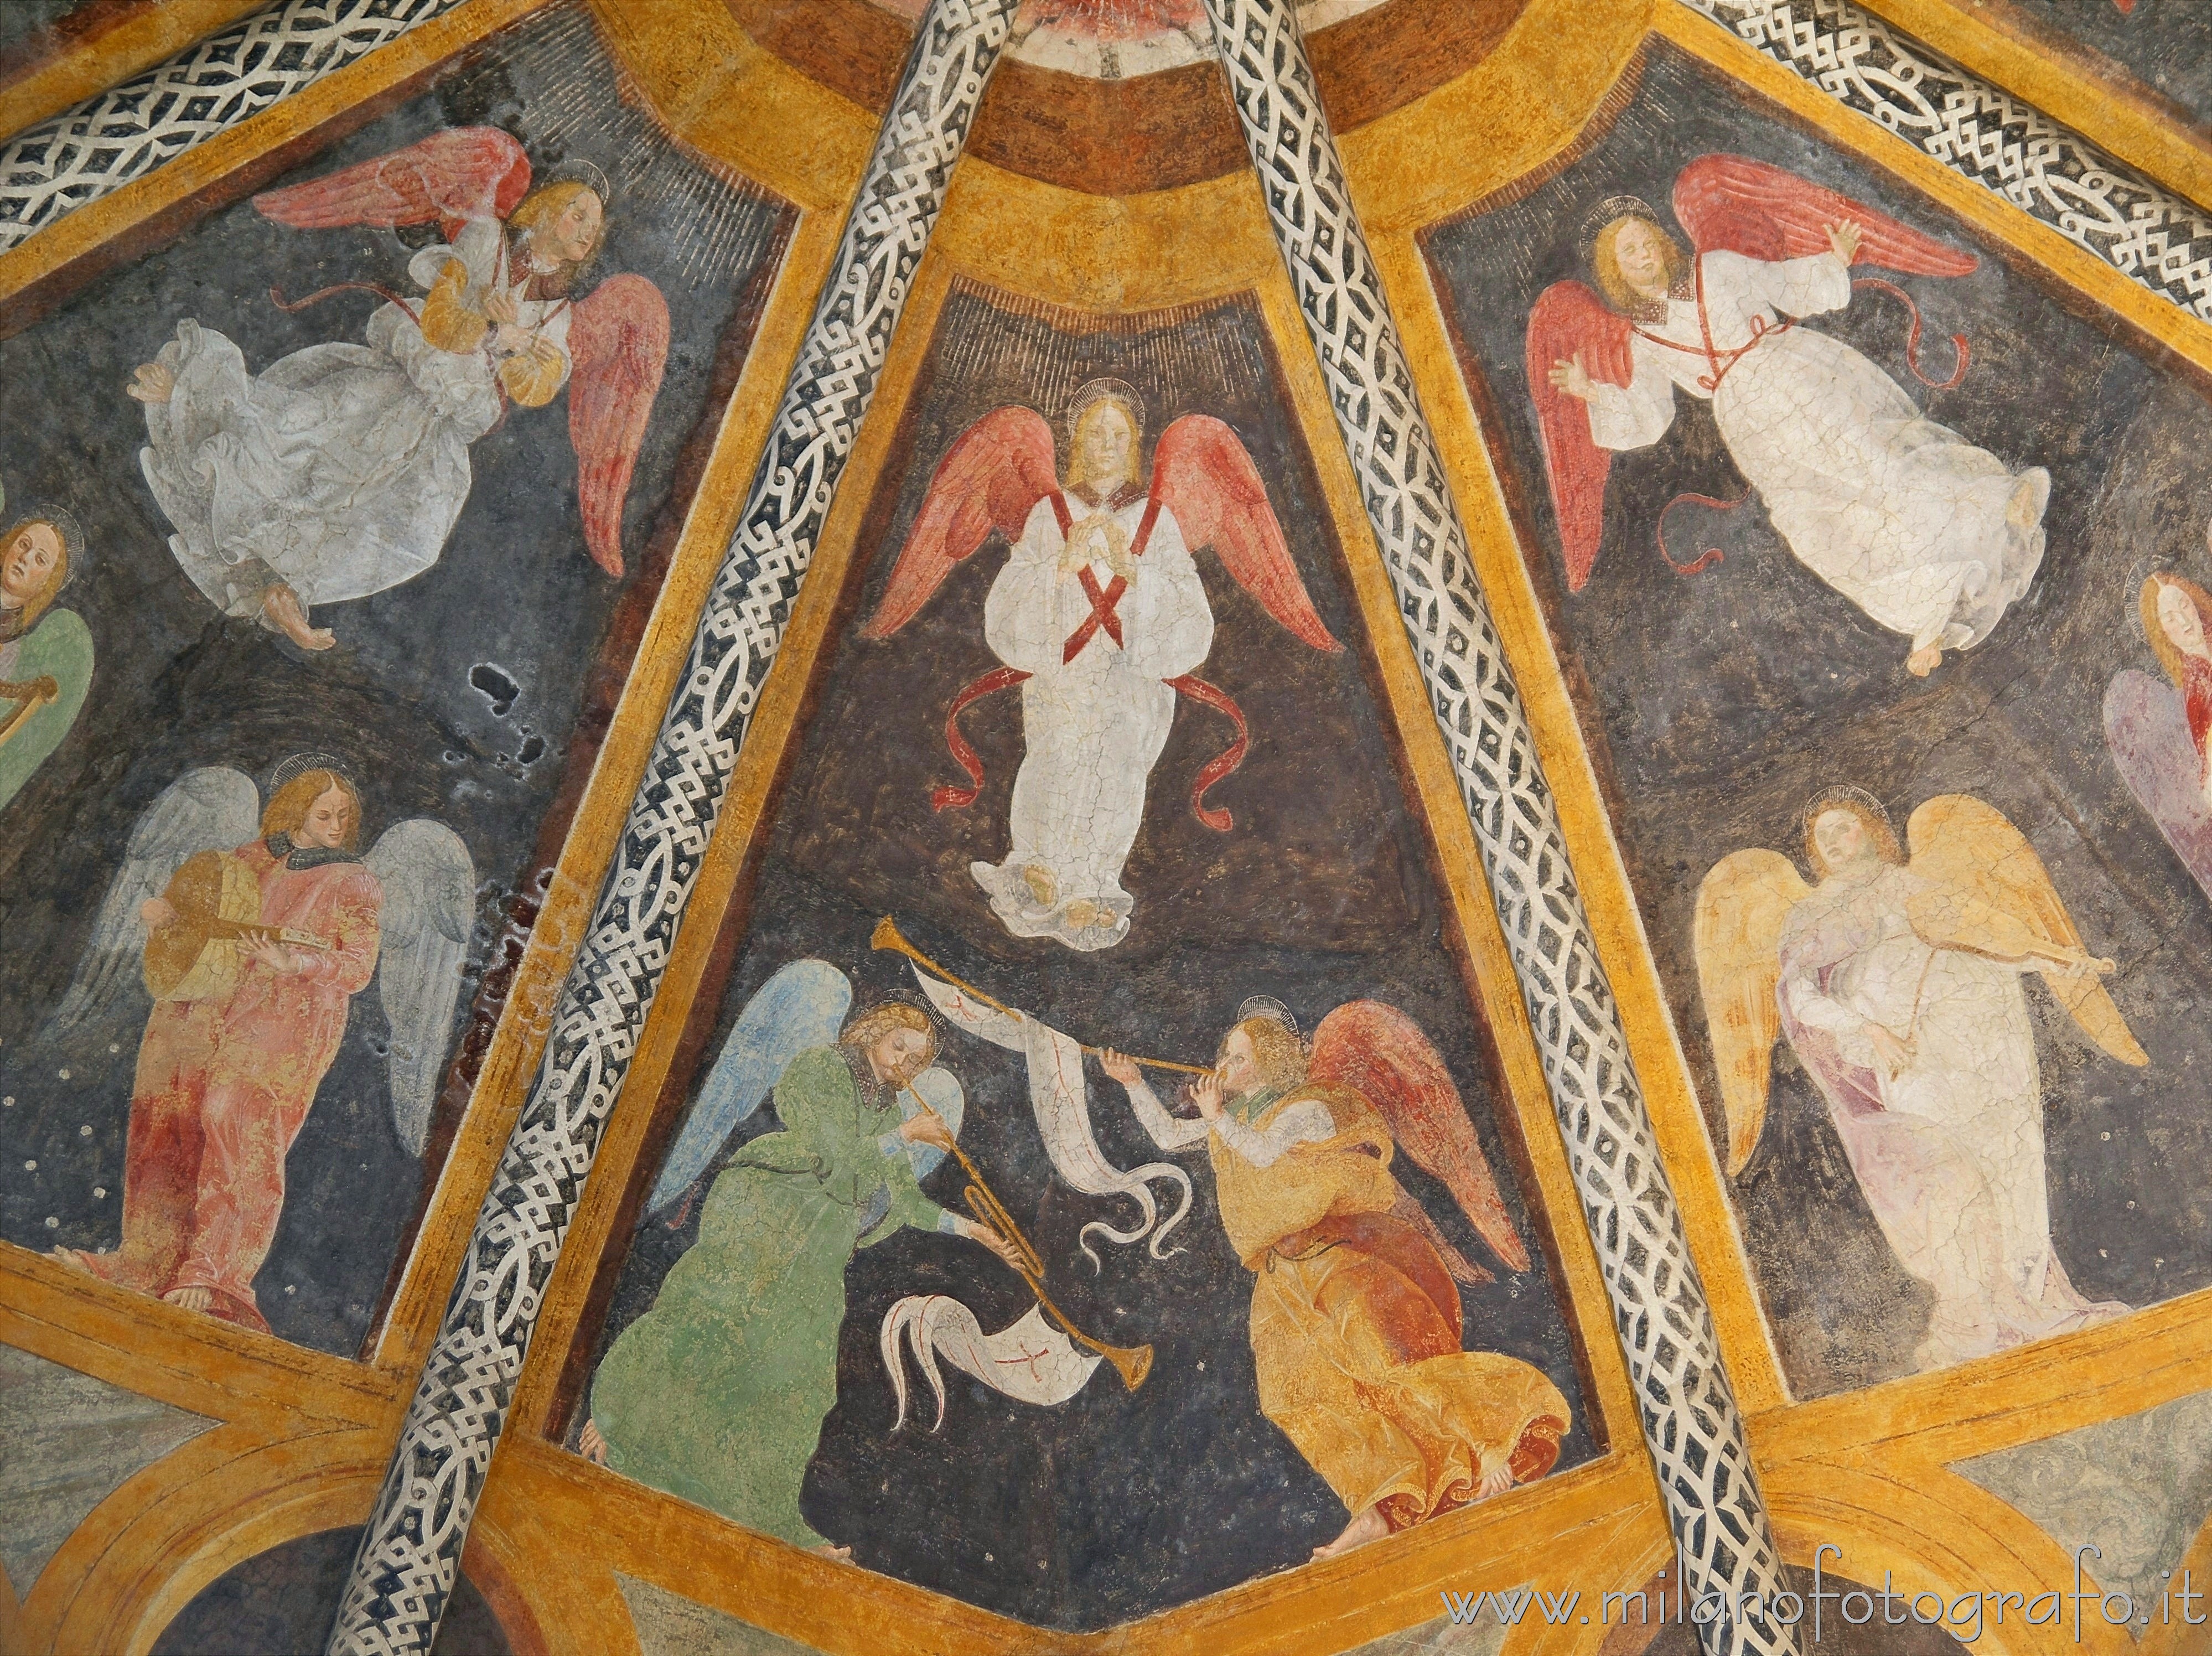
[
  {"x": 1693, "y": 1426},
  {"x": 403, "y": 1573},
  {"x": 2053, "y": 174}
]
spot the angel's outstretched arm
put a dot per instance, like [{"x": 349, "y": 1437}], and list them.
[{"x": 1169, "y": 1132}]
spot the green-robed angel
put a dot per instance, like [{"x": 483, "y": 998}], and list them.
[
  {"x": 45, "y": 654},
  {"x": 719, "y": 1392}
]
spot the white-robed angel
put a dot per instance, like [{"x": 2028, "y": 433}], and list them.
[
  {"x": 239, "y": 935},
  {"x": 341, "y": 469},
  {"x": 1100, "y": 616},
  {"x": 1899, "y": 985},
  {"x": 1930, "y": 536}
]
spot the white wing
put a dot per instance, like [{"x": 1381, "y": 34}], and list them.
[
  {"x": 429, "y": 903},
  {"x": 215, "y": 809}
]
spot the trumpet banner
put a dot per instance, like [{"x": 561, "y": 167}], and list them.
[
  {"x": 1062, "y": 1105},
  {"x": 1029, "y": 1361}
]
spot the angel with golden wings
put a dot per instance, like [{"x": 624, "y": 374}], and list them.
[
  {"x": 1100, "y": 616},
  {"x": 1899, "y": 985}
]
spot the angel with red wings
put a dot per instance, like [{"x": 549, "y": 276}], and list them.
[
  {"x": 1357, "y": 1334},
  {"x": 1100, "y": 616},
  {"x": 340, "y": 470},
  {"x": 1930, "y": 536}
]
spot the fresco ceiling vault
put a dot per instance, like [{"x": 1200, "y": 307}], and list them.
[{"x": 1248, "y": 826}]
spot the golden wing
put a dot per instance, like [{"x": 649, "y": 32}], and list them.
[
  {"x": 1742, "y": 904},
  {"x": 1959, "y": 843}
]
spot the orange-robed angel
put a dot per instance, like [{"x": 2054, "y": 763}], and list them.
[
  {"x": 1100, "y": 616},
  {"x": 1357, "y": 1330},
  {"x": 1930, "y": 536},
  {"x": 341, "y": 469}
]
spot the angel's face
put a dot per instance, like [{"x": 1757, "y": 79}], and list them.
[
  {"x": 1641, "y": 256},
  {"x": 328, "y": 823},
  {"x": 1105, "y": 439},
  {"x": 2178, "y": 618},
  {"x": 574, "y": 231},
  {"x": 1240, "y": 1065},
  {"x": 30, "y": 558},
  {"x": 1841, "y": 839},
  {"x": 897, "y": 1056}
]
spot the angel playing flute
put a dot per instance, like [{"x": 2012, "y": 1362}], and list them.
[{"x": 341, "y": 470}]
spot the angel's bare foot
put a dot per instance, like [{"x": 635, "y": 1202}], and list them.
[
  {"x": 592, "y": 1446},
  {"x": 1368, "y": 1526},
  {"x": 73, "y": 1258},
  {"x": 1041, "y": 885},
  {"x": 1922, "y": 662},
  {"x": 1083, "y": 914},
  {"x": 1494, "y": 1483},
  {"x": 831, "y": 1549},
  {"x": 191, "y": 1298},
  {"x": 154, "y": 382},
  {"x": 289, "y": 617}
]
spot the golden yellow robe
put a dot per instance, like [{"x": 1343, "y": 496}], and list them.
[{"x": 1356, "y": 1329}]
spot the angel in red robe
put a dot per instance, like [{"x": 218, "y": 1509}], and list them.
[
  {"x": 1358, "y": 1337},
  {"x": 341, "y": 469},
  {"x": 1100, "y": 616},
  {"x": 1928, "y": 535}
]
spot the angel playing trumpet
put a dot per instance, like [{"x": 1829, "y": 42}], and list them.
[
  {"x": 1928, "y": 535},
  {"x": 1100, "y": 616},
  {"x": 1899, "y": 985},
  {"x": 340, "y": 471}
]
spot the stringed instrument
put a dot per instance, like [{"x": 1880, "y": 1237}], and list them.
[
  {"x": 28, "y": 695},
  {"x": 198, "y": 956}
]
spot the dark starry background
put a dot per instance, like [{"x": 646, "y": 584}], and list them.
[
  {"x": 1717, "y": 703},
  {"x": 1113, "y": 1505},
  {"x": 454, "y": 696},
  {"x": 2164, "y": 43}
]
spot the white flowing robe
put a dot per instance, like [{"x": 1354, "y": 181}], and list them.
[
  {"x": 1931, "y": 536},
  {"x": 1092, "y": 726},
  {"x": 341, "y": 469},
  {"x": 1949, "y": 1152}
]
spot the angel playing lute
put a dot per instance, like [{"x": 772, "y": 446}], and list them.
[
  {"x": 341, "y": 469},
  {"x": 251, "y": 930},
  {"x": 1899, "y": 985},
  {"x": 1356, "y": 1329},
  {"x": 1930, "y": 536},
  {"x": 1100, "y": 616}
]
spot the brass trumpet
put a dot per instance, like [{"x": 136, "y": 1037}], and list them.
[{"x": 1132, "y": 1363}]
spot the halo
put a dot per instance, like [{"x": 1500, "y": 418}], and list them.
[
  {"x": 1611, "y": 208},
  {"x": 1267, "y": 1006},
  {"x": 288, "y": 771},
  {"x": 1103, "y": 390},
  {"x": 579, "y": 171},
  {"x": 72, "y": 533}
]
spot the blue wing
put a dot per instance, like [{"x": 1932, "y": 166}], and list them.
[
  {"x": 803, "y": 1005},
  {"x": 940, "y": 1090}
]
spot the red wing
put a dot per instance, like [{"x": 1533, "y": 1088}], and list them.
[
  {"x": 468, "y": 173},
  {"x": 1380, "y": 1053},
  {"x": 1567, "y": 321},
  {"x": 991, "y": 478},
  {"x": 1734, "y": 205},
  {"x": 618, "y": 346},
  {"x": 1202, "y": 472}
]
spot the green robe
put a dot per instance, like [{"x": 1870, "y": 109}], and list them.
[
  {"x": 718, "y": 1393},
  {"x": 59, "y": 648}
]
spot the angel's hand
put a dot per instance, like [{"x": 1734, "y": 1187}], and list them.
[
  {"x": 996, "y": 1243},
  {"x": 273, "y": 955},
  {"x": 1206, "y": 1095},
  {"x": 1572, "y": 378},
  {"x": 927, "y": 1128},
  {"x": 157, "y": 912},
  {"x": 1120, "y": 1067},
  {"x": 511, "y": 341},
  {"x": 1892, "y": 1054},
  {"x": 2078, "y": 962},
  {"x": 152, "y": 383},
  {"x": 1844, "y": 238},
  {"x": 500, "y": 307}
]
